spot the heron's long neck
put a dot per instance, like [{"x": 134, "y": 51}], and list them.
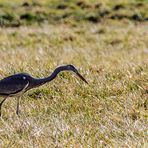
[{"x": 42, "y": 81}]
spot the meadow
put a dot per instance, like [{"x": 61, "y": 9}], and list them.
[{"x": 107, "y": 41}]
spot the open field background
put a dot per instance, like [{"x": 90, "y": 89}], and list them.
[{"x": 108, "y": 42}]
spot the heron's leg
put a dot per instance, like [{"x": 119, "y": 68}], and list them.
[
  {"x": 18, "y": 103},
  {"x": 2, "y": 104}
]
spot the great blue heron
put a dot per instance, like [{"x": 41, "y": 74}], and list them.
[{"x": 17, "y": 84}]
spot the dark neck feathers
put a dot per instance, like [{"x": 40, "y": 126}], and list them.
[{"x": 39, "y": 82}]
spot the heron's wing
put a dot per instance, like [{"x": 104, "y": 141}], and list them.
[{"x": 13, "y": 84}]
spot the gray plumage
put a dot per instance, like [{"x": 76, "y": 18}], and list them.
[{"x": 17, "y": 84}]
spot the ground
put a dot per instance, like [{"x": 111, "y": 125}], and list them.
[{"x": 107, "y": 42}]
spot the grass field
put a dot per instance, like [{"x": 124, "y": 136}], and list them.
[{"x": 108, "y": 42}]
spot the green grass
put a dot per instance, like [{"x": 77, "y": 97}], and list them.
[
  {"x": 31, "y": 12},
  {"x": 112, "y": 111}
]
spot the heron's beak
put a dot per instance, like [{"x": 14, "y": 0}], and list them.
[{"x": 81, "y": 77}]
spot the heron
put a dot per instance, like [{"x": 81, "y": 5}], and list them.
[{"x": 16, "y": 85}]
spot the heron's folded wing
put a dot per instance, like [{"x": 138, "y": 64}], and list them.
[{"x": 12, "y": 85}]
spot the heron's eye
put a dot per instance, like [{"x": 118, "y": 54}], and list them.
[{"x": 24, "y": 78}]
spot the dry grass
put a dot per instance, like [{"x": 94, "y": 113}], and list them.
[{"x": 111, "y": 111}]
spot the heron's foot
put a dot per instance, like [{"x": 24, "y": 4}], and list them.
[
  {"x": 1, "y": 105},
  {"x": 17, "y": 109},
  {"x": 0, "y": 111},
  {"x": 18, "y": 113}
]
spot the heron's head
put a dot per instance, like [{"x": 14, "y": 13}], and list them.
[{"x": 74, "y": 69}]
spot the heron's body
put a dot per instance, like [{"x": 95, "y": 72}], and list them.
[
  {"x": 17, "y": 84},
  {"x": 14, "y": 85}
]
